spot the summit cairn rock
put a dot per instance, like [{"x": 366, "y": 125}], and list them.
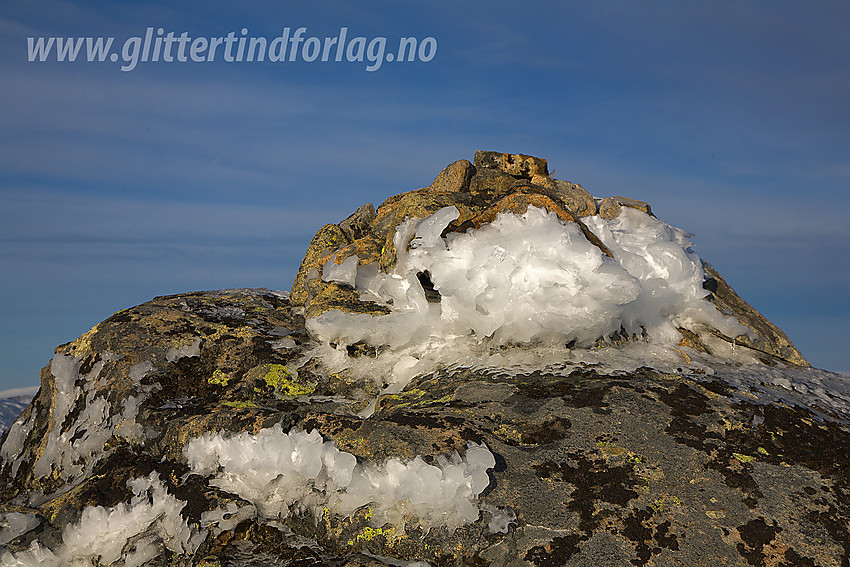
[
  {"x": 519, "y": 166},
  {"x": 494, "y": 183},
  {"x": 217, "y": 428}
]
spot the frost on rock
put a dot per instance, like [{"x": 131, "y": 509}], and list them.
[
  {"x": 74, "y": 450},
  {"x": 826, "y": 394},
  {"x": 185, "y": 351},
  {"x": 12, "y": 448},
  {"x": 14, "y": 524},
  {"x": 128, "y": 534},
  {"x": 528, "y": 279},
  {"x": 282, "y": 472},
  {"x": 227, "y": 518}
]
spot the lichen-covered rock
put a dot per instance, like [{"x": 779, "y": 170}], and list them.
[
  {"x": 610, "y": 207},
  {"x": 575, "y": 198},
  {"x": 638, "y": 466},
  {"x": 496, "y": 183},
  {"x": 454, "y": 178},
  {"x": 212, "y": 428},
  {"x": 520, "y": 166}
]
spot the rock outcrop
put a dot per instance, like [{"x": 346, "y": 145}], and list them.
[{"x": 213, "y": 428}]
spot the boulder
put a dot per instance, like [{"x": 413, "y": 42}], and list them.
[
  {"x": 224, "y": 427},
  {"x": 520, "y": 166},
  {"x": 593, "y": 465}
]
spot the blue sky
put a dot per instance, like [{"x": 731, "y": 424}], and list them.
[{"x": 730, "y": 118}]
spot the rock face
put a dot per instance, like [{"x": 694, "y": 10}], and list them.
[
  {"x": 497, "y": 183},
  {"x": 211, "y": 428}
]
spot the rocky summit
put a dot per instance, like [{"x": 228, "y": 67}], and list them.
[{"x": 499, "y": 369}]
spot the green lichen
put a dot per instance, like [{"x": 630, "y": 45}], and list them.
[
  {"x": 285, "y": 381},
  {"x": 219, "y": 378},
  {"x": 744, "y": 458},
  {"x": 369, "y": 534},
  {"x": 240, "y": 405}
]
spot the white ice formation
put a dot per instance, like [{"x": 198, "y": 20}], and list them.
[
  {"x": 128, "y": 534},
  {"x": 76, "y": 449},
  {"x": 282, "y": 472},
  {"x": 522, "y": 279}
]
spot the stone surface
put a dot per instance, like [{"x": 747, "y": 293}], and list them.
[
  {"x": 496, "y": 183},
  {"x": 598, "y": 467},
  {"x": 710, "y": 463},
  {"x": 769, "y": 338}
]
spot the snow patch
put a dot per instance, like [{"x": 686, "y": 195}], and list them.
[{"x": 227, "y": 518}]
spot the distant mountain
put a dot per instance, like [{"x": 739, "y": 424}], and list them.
[{"x": 12, "y": 403}]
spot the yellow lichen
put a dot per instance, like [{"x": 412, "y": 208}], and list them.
[
  {"x": 634, "y": 458},
  {"x": 609, "y": 449},
  {"x": 414, "y": 393},
  {"x": 665, "y": 501},
  {"x": 219, "y": 378},
  {"x": 240, "y": 405},
  {"x": 443, "y": 400},
  {"x": 283, "y": 380},
  {"x": 369, "y": 533},
  {"x": 82, "y": 345},
  {"x": 508, "y": 433},
  {"x": 729, "y": 426},
  {"x": 744, "y": 458}
]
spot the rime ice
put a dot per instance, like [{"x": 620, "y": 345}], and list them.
[
  {"x": 526, "y": 279},
  {"x": 151, "y": 520},
  {"x": 279, "y": 471}
]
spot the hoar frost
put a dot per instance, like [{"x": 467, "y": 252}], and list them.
[
  {"x": 279, "y": 472},
  {"x": 522, "y": 279},
  {"x": 77, "y": 449},
  {"x": 129, "y": 534}
]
